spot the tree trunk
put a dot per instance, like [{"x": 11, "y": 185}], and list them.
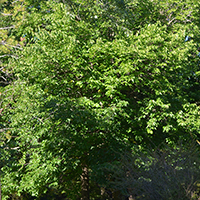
[{"x": 85, "y": 194}]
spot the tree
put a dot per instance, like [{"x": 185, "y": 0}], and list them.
[
  {"x": 12, "y": 13},
  {"x": 94, "y": 80}
]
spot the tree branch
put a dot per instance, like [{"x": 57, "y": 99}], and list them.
[
  {"x": 8, "y": 55},
  {"x": 6, "y": 14},
  {"x": 8, "y": 27}
]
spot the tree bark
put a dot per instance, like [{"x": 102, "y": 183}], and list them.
[{"x": 85, "y": 193}]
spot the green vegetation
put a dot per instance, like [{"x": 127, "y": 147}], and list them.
[{"x": 98, "y": 98}]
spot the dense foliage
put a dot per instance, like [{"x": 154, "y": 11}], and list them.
[{"x": 89, "y": 81}]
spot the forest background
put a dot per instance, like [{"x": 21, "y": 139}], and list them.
[{"x": 99, "y": 99}]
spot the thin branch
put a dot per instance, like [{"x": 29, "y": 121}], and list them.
[
  {"x": 5, "y": 14},
  {"x": 5, "y": 83},
  {"x": 14, "y": 148},
  {"x": 9, "y": 55},
  {"x": 8, "y": 48},
  {"x": 172, "y": 20},
  {"x": 16, "y": 47},
  {"x": 8, "y": 27},
  {"x": 3, "y": 78},
  {"x": 15, "y": 1}
]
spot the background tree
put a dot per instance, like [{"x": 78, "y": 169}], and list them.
[{"x": 94, "y": 80}]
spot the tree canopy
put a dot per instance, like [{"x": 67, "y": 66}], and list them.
[{"x": 89, "y": 80}]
